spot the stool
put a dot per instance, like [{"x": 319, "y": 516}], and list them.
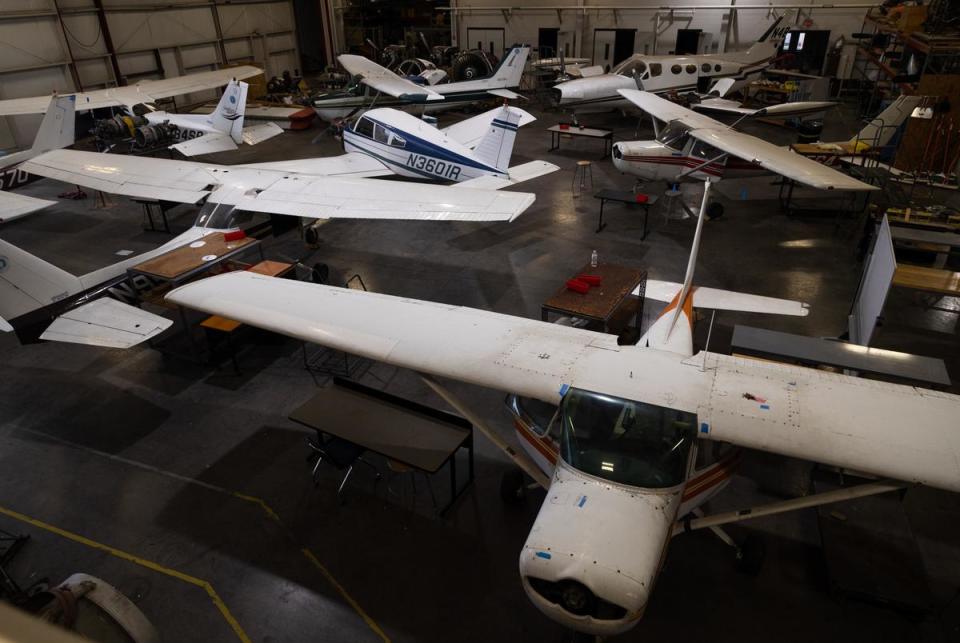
[
  {"x": 583, "y": 170},
  {"x": 674, "y": 200}
]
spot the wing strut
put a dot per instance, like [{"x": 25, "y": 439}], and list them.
[
  {"x": 696, "y": 168},
  {"x": 692, "y": 261},
  {"x": 520, "y": 458},
  {"x": 806, "y": 502}
]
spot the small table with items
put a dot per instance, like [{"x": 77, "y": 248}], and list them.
[
  {"x": 600, "y": 303},
  {"x": 565, "y": 129},
  {"x": 629, "y": 198}
]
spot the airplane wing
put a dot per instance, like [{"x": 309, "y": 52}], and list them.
[
  {"x": 717, "y": 299},
  {"x": 206, "y": 144},
  {"x": 350, "y": 164},
  {"x": 105, "y": 322},
  {"x": 755, "y": 150},
  {"x": 724, "y": 106},
  {"x": 273, "y": 191},
  {"x": 799, "y": 412},
  {"x": 384, "y": 80},
  {"x": 145, "y": 91},
  {"x": 13, "y": 205}
]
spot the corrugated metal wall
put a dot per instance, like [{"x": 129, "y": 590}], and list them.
[{"x": 64, "y": 45}]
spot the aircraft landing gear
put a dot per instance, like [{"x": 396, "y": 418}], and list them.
[
  {"x": 513, "y": 486},
  {"x": 750, "y": 555},
  {"x": 714, "y": 211}
]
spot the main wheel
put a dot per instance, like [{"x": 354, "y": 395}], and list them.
[
  {"x": 714, "y": 210},
  {"x": 750, "y": 555},
  {"x": 513, "y": 486}
]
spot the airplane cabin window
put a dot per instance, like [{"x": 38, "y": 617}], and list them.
[
  {"x": 397, "y": 141},
  {"x": 364, "y": 127},
  {"x": 380, "y": 134},
  {"x": 676, "y": 69},
  {"x": 717, "y": 68},
  {"x": 705, "y": 67},
  {"x": 656, "y": 69},
  {"x": 691, "y": 69},
  {"x": 704, "y": 151}
]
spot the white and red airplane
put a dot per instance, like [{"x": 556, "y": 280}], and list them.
[
  {"x": 694, "y": 147},
  {"x": 630, "y": 420}
]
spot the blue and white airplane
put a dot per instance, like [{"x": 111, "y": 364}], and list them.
[{"x": 473, "y": 152}]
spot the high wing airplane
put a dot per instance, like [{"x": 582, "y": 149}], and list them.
[
  {"x": 630, "y": 420},
  {"x": 56, "y": 132},
  {"x": 693, "y": 146},
  {"x": 718, "y": 75},
  {"x": 144, "y": 92},
  {"x": 220, "y": 131},
  {"x": 41, "y": 301},
  {"x": 375, "y": 80}
]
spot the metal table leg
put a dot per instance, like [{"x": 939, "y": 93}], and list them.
[{"x": 600, "y": 224}]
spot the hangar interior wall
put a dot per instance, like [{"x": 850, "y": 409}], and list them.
[{"x": 65, "y": 45}]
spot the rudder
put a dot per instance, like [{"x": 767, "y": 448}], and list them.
[
  {"x": 58, "y": 127},
  {"x": 28, "y": 283},
  {"x": 496, "y": 147},
  {"x": 228, "y": 117}
]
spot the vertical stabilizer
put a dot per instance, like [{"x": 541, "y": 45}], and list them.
[
  {"x": 228, "y": 117},
  {"x": 881, "y": 129},
  {"x": 57, "y": 130},
  {"x": 768, "y": 44},
  {"x": 510, "y": 71},
  {"x": 496, "y": 147},
  {"x": 28, "y": 282}
]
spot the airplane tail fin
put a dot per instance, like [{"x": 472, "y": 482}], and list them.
[
  {"x": 881, "y": 129},
  {"x": 28, "y": 283},
  {"x": 57, "y": 130},
  {"x": 768, "y": 43},
  {"x": 228, "y": 117},
  {"x": 496, "y": 146},
  {"x": 510, "y": 70},
  {"x": 471, "y": 131}
]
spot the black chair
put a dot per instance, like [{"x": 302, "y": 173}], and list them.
[{"x": 339, "y": 453}]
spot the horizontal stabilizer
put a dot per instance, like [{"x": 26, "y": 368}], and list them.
[
  {"x": 505, "y": 93},
  {"x": 13, "y": 205},
  {"x": 586, "y": 72},
  {"x": 722, "y": 87},
  {"x": 260, "y": 133},
  {"x": 517, "y": 174},
  {"x": 5, "y": 326},
  {"x": 206, "y": 144},
  {"x": 105, "y": 322},
  {"x": 716, "y": 299}
]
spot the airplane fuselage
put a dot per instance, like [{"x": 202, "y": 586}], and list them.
[{"x": 654, "y": 161}]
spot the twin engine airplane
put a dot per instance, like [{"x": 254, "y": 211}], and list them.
[
  {"x": 220, "y": 131},
  {"x": 41, "y": 301},
  {"x": 693, "y": 146},
  {"x": 630, "y": 420},
  {"x": 375, "y": 79},
  {"x": 715, "y": 74}
]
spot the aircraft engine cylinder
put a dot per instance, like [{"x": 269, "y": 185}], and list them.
[
  {"x": 153, "y": 135},
  {"x": 120, "y": 126}
]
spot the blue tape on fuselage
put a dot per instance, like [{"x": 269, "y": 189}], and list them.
[
  {"x": 583, "y": 501},
  {"x": 704, "y": 428},
  {"x": 563, "y": 389},
  {"x": 545, "y": 555}
]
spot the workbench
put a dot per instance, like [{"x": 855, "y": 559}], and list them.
[
  {"x": 935, "y": 280},
  {"x": 558, "y": 131},
  {"x": 601, "y": 302},
  {"x": 628, "y": 198}
]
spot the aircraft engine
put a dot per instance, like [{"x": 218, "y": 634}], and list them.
[
  {"x": 120, "y": 126},
  {"x": 157, "y": 134},
  {"x": 594, "y": 551}
]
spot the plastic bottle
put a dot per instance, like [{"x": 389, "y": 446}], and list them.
[{"x": 593, "y": 259}]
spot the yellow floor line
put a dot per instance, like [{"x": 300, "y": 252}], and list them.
[
  {"x": 267, "y": 509},
  {"x": 83, "y": 540}
]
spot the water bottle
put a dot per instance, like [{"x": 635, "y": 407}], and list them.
[{"x": 593, "y": 259}]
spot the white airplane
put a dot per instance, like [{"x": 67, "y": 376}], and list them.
[
  {"x": 630, "y": 421},
  {"x": 692, "y": 146},
  {"x": 220, "y": 131},
  {"x": 375, "y": 80},
  {"x": 56, "y": 132},
  {"x": 715, "y": 74},
  {"x": 144, "y": 92},
  {"x": 41, "y": 301}
]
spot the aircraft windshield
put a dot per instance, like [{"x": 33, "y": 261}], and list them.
[
  {"x": 628, "y": 442},
  {"x": 674, "y": 135},
  {"x": 629, "y": 66}
]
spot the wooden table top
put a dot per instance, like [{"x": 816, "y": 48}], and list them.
[
  {"x": 184, "y": 259},
  {"x": 936, "y": 280},
  {"x": 602, "y": 300},
  {"x": 271, "y": 268}
]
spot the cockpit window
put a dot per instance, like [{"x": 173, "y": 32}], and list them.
[
  {"x": 364, "y": 127},
  {"x": 380, "y": 134},
  {"x": 631, "y": 66},
  {"x": 674, "y": 135},
  {"x": 633, "y": 443},
  {"x": 656, "y": 69}
]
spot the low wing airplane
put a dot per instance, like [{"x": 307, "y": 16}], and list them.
[
  {"x": 56, "y": 132},
  {"x": 220, "y": 131},
  {"x": 380, "y": 80},
  {"x": 630, "y": 421},
  {"x": 718, "y": 75},
  {"x": 695, "y": 147},
  {"x": 144, "y": 92},
  {"x": 41, "y": 301}
]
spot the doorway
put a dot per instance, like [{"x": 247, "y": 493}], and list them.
[
  {"x": 688, "y": 42},
  {"x": 808, "y": 49},
  {"x": 488, "y": 39},
  {"x": 547, "y": 42},
  {"x": 611, "y": 46}
]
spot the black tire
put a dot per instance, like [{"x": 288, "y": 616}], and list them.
[
  {"x": 751, "y": 555},
  {"x": 714, "y": 210},
  {"x": 513, "y": 486}
]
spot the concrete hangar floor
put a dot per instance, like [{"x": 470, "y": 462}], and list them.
[{"x": 177, "y": 482}]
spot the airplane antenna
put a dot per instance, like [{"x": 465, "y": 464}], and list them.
[{"x": 692, "y": 261}]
